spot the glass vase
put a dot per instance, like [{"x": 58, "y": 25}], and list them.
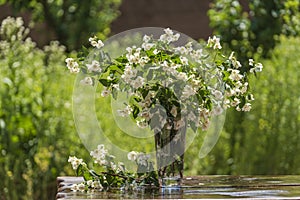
[{"x": 170, "y": 147}]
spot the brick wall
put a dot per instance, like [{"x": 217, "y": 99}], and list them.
[{"x": 186, "y": 16}]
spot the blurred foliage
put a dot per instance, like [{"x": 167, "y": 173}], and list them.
[
  {"x": 253, "y": 149},
  {"x": 266, "y": 141},
  {"x": 73, "y": 21},
  {"x": 251, "y": 30},
  {"x": 231, "y": 23},
  {"x": 36, "y": 123},
  {"x": 271, "y": 129},
  {"x": 291, "y": 17}
]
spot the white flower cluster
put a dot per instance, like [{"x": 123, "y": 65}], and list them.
[
  {"x": 201, "y": 81},
  {"x": 94, "y": 66},
  {"x": 139, "y": 157},
  {"x": 125, "y": 112},
  {"x": 13, "y": 29},
  {"x": 72, "y": 65},
  {"x": 78, "y": 187},
  {"x": 75, "y": 162},
  {"x": 238, "y": 86},
  {"x": 214, "y": 42},
  {"x": 99, "y": 155},
  {"x": 169, "y": 36},
  {"x": 106, "y": 178},
  {"x": 95, "y": 42},
  {"x": 130, "y": 75},
  {"x": 257, "y": 67},
  {"x": 90, "y": 184}
]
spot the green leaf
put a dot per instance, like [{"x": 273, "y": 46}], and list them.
[
  {"x": 135, "y": 112},
  {"x": 116, "y": 67},
  {"x": 84, "y": 172},
  {"x": 105, "y": 82},
  {"x": 122, "y": 59}
]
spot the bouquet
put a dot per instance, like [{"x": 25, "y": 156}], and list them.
[{"x": 170, "y": 88}]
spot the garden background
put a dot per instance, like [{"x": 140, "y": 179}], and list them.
[{"x": 37, "y": 132}]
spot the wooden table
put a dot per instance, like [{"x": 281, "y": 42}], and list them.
[{"x": 198, "y": 187}]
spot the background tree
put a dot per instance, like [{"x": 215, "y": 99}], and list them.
[
  {"x": 36, "y": 122},
  {"x": 252, "y": 29},
  {"x": 73, "y": 21}
]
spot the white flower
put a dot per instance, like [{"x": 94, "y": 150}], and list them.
[
  {"x": 257, "y": 68},
  {"x": 167, "y": 82},
  {"x": 246, "y": 107},
  {"x": 94, "y": 66},
  {"x": 235, "y": 75},
  {"x": 217, "y": 110},
  {"x": 96, "y": 43},
  {"x": 146, "y": 38},
  {"x": 72, "y": 65},
  {"x": 89, "y": 183},
  {"x": 142, "y": 124},
  {"x": 184, "y": 60},
  {"x": 169, "y": 37},
  {"x": 205, "y": 125},
  {"x": 204, "y": 113},
  {"x": 133, "y": 57},
  {"x": 100, "y": 154},
  {"x": 116, "y": 86},
  {"x": 142, "y": 159},
  {"x": 168, "y": 31},
  {"x": 197, "y": 55},
  {"x": 81, "y": 187},
  {"x": 132, "y": 156},
  {"x": 187, "y": 92},
  {"x": 235, "y": 102},
  {"x": 121, "y": 166},
  {"x": 250, "y": 97},
  {"x": 147, "y": 46},
  {"x": 87, "y": 81},
  {"x": 175, "y": 37},
  {"x": 145, "y": 114},
  {"x": 218, "y": 95},
  {"x": 129, "y": 50},
  {"x": 182, "y": 76},
  {"x": 144, "y": 60},
  {"x": 128, "y": 73},
  {"x": 138, "y": 82},
  {"x": 78, "y": 187},
  {"x": 126, "y": 112},
  {"x": 156, "y": 51},
  {"x": 113, "y": 166},
  {"x": 181, "y": 50},
  {"x": 96, "y": 185},
  {"x": 75, "y": 162},
  {"x": 251, "y": 62},
  {"x": 214, "y": 43},
  {"x": 236, "y": 64},
  {"x": 244, "y": 88},
  {"x": 105, "y": 92}
]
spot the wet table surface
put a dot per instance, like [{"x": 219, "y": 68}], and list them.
[{"x": 198, "y": 187}]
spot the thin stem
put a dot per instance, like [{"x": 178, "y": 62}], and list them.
[{"x": 117, "y": 175}]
